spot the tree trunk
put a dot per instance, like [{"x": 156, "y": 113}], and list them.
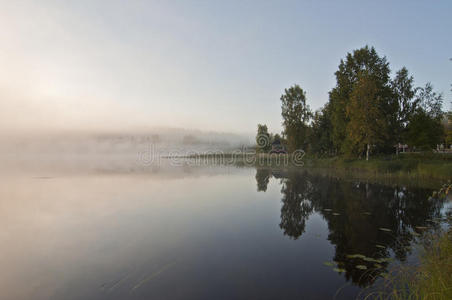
[{"x": 367, "y": 152}]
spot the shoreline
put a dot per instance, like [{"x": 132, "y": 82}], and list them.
[{"x": 429, "y": 169}]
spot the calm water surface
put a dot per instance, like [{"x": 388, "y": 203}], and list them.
[{"x": 202, "y": 233}]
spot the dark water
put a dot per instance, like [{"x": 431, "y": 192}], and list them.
[{"x": 213, "y": 233}]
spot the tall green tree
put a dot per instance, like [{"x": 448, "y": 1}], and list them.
[
  {"x": 425, "y": 129},
  {"x": 364, "y": 59},
  {"x": 296, "y": 115},
  {"x": 430, "y": 101},
  {"x": 406, "y": 103},
  {"x": 424, "y": 132},
  {"x": 368, "y": 124},
  {"x": 320, "y": 140},
  {"x": 263, "y": 139}
]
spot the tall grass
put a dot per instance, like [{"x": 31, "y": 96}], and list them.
[
  {"x": 434, "y": 280},
  {"x": 431, "y": 278},
  {"x": 438, "y": 166}
]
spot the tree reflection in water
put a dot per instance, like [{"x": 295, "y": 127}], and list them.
[
  {"x": 366, "y": 222},
  {"x": 262, "y": 179}
]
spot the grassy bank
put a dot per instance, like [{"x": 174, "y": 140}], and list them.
[
  {"x": 435, "y": 166},
  {"x": 434, "y": 276},
  {"x": 426, "y": 169},
  {"x": 430, "y": 279}
]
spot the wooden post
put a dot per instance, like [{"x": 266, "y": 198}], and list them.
[{"x": 367, "y": 152}]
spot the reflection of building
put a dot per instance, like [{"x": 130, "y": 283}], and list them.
[{"x": 278, "y": 147}]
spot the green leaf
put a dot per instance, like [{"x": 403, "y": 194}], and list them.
[
  {"x": 339, "y": 270},
  {"x": 356, "y": 256},
  {"x": 370, "y": 259},
  {"x": 361, "y": 267}
]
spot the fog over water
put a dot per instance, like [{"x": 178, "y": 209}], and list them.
[
  {"x": 108, "y": 227},
  {"x": 101, "y": 102}
]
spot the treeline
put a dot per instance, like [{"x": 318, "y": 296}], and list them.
[{"x": 368, "y": 111}]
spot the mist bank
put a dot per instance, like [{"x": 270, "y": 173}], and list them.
[{"x": 159, "y": 140}]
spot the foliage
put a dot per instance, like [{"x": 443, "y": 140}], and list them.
[
  {"x": 263, "y": 139},
  {"x": 277, "y": 137},
  {"x": 423, "y": 131},
  {"x": 430, "y": 101},
  {"x": 403, "y": 91},
  {"x": 296, "y": 115},
  {"x": 320, "y": 139},
  {"x": 367, "y": 110},
  {"x": 350, "y": 70},
  {"x": 367, "y": 125},
  {"x": 449, "y": 129}
]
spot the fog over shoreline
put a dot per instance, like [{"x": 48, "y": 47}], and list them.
[{"x": 162, "y": 140}]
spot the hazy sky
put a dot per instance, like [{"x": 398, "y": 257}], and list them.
[{"x": 213, "y": 65}]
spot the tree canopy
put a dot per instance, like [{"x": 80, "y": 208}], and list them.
[
  {"x": 367, "y": 123},
  {"x": 367, "y": 111},
  {"x": 296, "y": 115},
  {"x": 364, "y": 60}
]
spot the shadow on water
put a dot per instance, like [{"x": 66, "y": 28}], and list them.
[{"x": 369, "y": 224}]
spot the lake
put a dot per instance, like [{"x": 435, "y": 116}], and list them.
[{"x": 212, "y": 232}]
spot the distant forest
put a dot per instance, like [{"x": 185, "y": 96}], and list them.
[{"x": 368, "y": 112}]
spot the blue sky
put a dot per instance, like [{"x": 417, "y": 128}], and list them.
[{"x": 212, "y": 65}]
